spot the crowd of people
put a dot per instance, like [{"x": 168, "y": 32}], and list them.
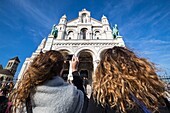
[
  {"x": 122, "y": 83},
  {"x": 5, "y": 89}
]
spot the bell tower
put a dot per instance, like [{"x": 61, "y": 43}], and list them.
[
  {"x": 84, "y": 16},
  {"x": 12, "y": 65},
  {"x": 62, "y": 27},
  {"x": 106, "y": 26}
]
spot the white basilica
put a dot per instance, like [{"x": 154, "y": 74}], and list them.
[{"x": 84, "y": 37}]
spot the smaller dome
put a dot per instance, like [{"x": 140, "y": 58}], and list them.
[
  {"x": 64, "y": 16},
  {"x": 84, "y": 9},
  {"x": 103, "y": 17}
]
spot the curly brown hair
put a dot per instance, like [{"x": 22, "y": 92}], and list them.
[
  {"x": 121, "y": 74},
  {"x": 44, "y": 67}
]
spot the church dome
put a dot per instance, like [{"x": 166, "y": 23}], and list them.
[
  {"x": 103, "y": 17},
  {"x": 64, "y": 16}
]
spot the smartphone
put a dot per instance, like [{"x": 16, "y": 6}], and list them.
[{"x": 69, "y": 57}]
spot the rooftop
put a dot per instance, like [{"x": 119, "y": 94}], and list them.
[{"x": 5, "y": 71}]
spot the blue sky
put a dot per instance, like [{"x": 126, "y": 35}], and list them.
[{"x": 144, "y": 25}]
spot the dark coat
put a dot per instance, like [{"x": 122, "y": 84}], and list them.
[
  {"x": 93, "y": 107},
  {"x": 3, "y": 104},
  {"x": 78, "y": 82}
]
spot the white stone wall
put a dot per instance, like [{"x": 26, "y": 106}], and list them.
[{"x": 76, "y": 44}]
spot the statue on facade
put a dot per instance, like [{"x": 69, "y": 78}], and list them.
[
  {"x": 54, "y": 31},
  {"x": 115, "y": 31}
]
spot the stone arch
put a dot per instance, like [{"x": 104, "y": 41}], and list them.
[
  {"x": 64, "y": 52},
  {"x": 70, "y": 29},
  {"x": 70, "y": 35},
  {"x": 84, "y": 18},
  {"x": 70, "y": 51},
  {"x": 88, "y": 49},
  {"x": 96, "y": 30},
  {"x": 86, "y": 64},
  {"x": 83, "y": 33},
  {"x": 97, "y": 34},
  {"x": 101, "y": 51}
]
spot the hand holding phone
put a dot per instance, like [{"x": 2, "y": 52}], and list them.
[
  {"x": 69, "y": 57},
  {"x": 74, "y": 63}
]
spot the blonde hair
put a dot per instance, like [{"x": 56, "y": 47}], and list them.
[
  {"x": 121, "y": 73},
  {"x": 44, "y": 67}
]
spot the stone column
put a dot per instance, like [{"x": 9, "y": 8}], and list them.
[
  {"x": 78, "y": 35},
  {"x": 95, "y": 63}
]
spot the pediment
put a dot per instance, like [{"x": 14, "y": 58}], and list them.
[
  {"x": 74, "y": 22},
  {"x": 95, "y": 22}
]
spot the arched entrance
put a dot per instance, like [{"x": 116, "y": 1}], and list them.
[
  {"x": 86, "y": 65},
  {"x": 86, "y": 69}
]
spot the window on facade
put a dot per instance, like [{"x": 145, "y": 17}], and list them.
[
  {"x": 97, "y": 35},
  {"x": 83, "y": 33},
  {"x": 8, "y": 65},
  {"x": 70, "y": 35},
  {"x": 15, "y": 65},
  {"x": 84, "y": 18}
]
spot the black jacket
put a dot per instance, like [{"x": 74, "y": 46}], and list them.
[
  {"x": 3, "y": 104},
  {"x": 93, "y": 107},
  {"x": 78, "y": 82}
]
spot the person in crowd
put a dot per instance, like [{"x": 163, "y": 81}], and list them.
[
  {"x": 10, "y": 86},
  {"x": 42, "y": 90},
  {"x": 3, "y": 100},
  {"x": 78, "y": 81},
  {"x": 85, "y": 82},
  {"x": 126, "y": 83}
]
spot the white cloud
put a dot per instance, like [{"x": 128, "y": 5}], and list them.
[
  {"x": 156, "y": 41},
  {"x": 37, "y": 14},
  {"x": 161, "y": 18}
]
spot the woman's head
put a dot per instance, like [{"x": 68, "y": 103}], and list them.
[
  {"x": 121, "y": 73},
  {"x": 46, "y": 65},
  {"x": 43, "y": 67}
]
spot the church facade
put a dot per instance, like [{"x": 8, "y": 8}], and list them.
[
  {"x": 84, "y": 37},
  {"x": 7, "y": 73}
]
